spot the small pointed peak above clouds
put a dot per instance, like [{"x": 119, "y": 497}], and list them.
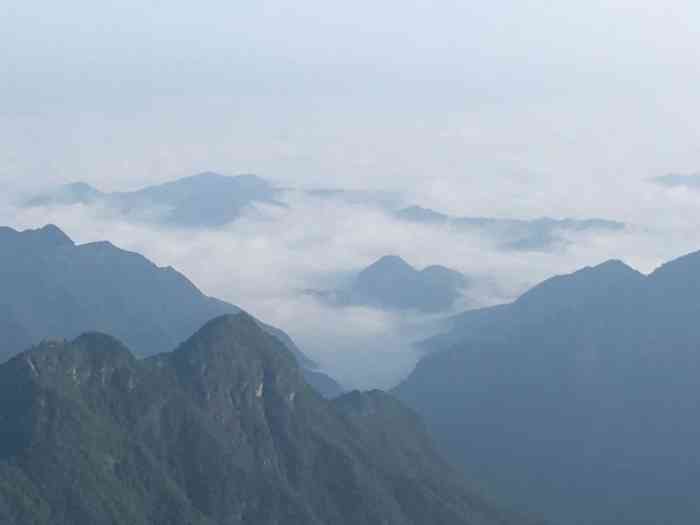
[
  {"x": 420, "y": 214},
  {"x": 391, "y": 259},
  {"x": 388, "y": 267},
  {"x": 210, "y": 178},
  {"x": 393, "y": 283},
  {"x": 390, "y": 262}
]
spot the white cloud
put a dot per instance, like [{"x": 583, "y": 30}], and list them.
[{"x": 262, "y": 261}]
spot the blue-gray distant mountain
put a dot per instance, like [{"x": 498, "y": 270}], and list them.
[
  {"x": 221, "y": 431},
  {"x": 513, "y": 234},
  {"x": 74, "y": 193},
  {"x": 393, "y": 284},
  {"x": 52, "y": 287},
  {"x": 673, "y": 180},
  {"x": 579, "y": 398},
  {"x": 203, "y": 200}
]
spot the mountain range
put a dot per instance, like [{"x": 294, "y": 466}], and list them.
[
  {"x": 393, "y": 284},
  {"x": 212, "y": 200},
  {"x": 673, "y": 180},
  {"x": 221, "y": 431},
  {"x": 52, "y": 287},
  {"x": 541, "y": 234},
  {"x": 579, "y": 398},
  {"x": 200, "y": 201}
]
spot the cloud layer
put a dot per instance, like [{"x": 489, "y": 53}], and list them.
[
  {"x": 262, "y": 262},
  {"x": 501, "y": 109}
]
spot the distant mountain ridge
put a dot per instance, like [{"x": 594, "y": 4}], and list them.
[
  {"x": 221, "y": 431},
  {"x": 673, "y": 180},
  {"x": 52, "y": 287},
  {"x": 578, "y": 397},
  {"x": 391, "y": 283},
  {"x": 513, "y": 234},
  {"x": 204, "y": 200}
]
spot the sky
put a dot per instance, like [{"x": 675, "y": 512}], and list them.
[
  {"x": 392, "y": 95},
  {"x": 504, "y": 108}
]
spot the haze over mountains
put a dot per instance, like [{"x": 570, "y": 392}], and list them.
[
  {"x": 507, "y": 141},
  {"x": 221, "y": 431},
  {"x": 579, "y": 398},
  {"x": 514, "y": 234},
  {"x": 314, "y": 242},
  {"x": 212, "y": 200},
  {"x": 52, "y": 287},
  {"x": 204, "y": 200}
]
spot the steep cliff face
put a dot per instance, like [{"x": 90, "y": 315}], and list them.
[{"x": 223, "y": 430}]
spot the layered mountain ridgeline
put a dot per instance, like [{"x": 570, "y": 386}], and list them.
[
  {"x": 391, "y": 283},
  {"x": 223, "y": 430},
  {"x": 514, "y": 234},
  {"x": 52, "y": 287},
  {"x": 674, "y": 180},
  {"x": 579, "y": 398},
  {"x": 203, "y": 200}
]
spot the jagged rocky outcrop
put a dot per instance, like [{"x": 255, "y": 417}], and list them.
[{"x": 223, "y": 430}]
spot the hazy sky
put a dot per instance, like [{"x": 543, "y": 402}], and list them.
[
  {"x": 501, "y": 108},
  {"x": 389, "y": 94}
]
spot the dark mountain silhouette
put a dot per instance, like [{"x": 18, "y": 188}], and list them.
[
  {"x": 391, "y": 283},
  {"x": 203, "y": 200},
  {"x": 52, "y": 287},
  {"x": 513, "y": 234},
  {"x": 580, "y": 397},
  {"x": 221, "y": 431}
]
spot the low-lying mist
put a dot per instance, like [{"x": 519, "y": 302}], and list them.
[{"x": 263, "y": 262}]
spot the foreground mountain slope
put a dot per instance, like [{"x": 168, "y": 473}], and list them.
[
  {"x": 580, "y": 397},
  {"x": 55, "y": 288},
  {"x": 221, "y": 431}
]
